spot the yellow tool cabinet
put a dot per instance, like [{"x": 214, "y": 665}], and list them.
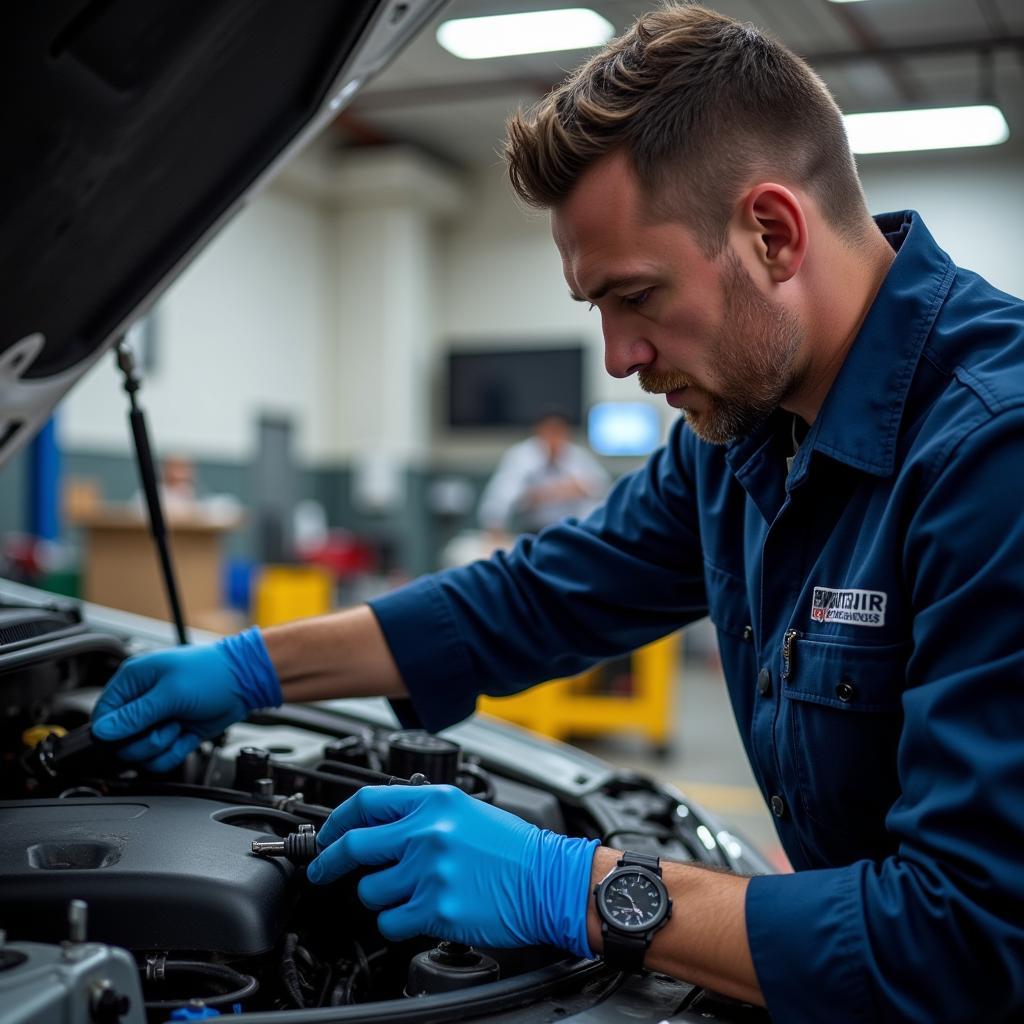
[
  {"x": 563, "y": 708},
  {"x": 284, "y": 593}
]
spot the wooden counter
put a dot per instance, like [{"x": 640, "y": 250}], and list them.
[{"x": 121, "y": 568}]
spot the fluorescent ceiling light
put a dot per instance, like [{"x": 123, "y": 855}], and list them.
[
  {"x": 533, "y": 32},
  {"x": 901, "y": 131}
]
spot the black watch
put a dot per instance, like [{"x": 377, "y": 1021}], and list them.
[{"x": 633, "y": 904}]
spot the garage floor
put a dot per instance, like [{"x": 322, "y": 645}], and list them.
[{"x": 707, "y": 761}]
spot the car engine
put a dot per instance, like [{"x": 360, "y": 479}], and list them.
[{"x": 141, "y": 897}]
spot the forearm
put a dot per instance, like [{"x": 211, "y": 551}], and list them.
[
  {"x": 705, "y": 940},
  {"x": 339, "y": 655}
]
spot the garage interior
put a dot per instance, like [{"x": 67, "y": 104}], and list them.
[{"x": 299, "y": 376}]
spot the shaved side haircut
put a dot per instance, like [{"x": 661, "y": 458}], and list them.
[{"x": 699, "y": 103}]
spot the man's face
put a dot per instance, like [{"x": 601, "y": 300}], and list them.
[
  {"x": 696, "y": 330},
  {"x": 553, "y": 431}
]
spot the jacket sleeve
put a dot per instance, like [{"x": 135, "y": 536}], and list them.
[
  {"x": 558, "y": 602},
  {"x": 936, "y": 931}
]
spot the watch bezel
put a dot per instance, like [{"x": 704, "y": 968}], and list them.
[{"x": 601, "y": 889}]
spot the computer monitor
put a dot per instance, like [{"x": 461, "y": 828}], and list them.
[
  {"x": 514, "y": 387},
  {"x": 623, "y": 428}
]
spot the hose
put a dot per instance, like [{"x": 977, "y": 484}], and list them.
[
  {"x": 290, "y": 972},
  {"x": 245, "y": 985}
]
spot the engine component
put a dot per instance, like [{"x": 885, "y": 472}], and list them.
[
  {"x": 46, "y": 652},
  {"x": 298, "y": 847},
  {"x": 263, "y": 788},
  {"x": 357, "y": 750},
  {"x": 252, "y": 763},
  {"x": 42, "y": 983},
  {"x": 57, "y": 752},
  {"x": 415, "y": 751},
  {"x": 150, "y": 867},
  {"x": 35, "y": 735},
  {"x": 448, "y": 967}
]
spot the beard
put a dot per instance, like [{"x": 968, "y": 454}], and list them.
[{"x": 753, "y": 356}]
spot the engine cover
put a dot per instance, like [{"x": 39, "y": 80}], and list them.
[{"x": 158, "y": 873}]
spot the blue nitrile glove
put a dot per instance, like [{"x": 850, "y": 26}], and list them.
[
  {"x": 174, "y": 699},
  {"x": 459, "y": 869}
]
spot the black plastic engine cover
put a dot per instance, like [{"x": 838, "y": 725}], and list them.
[{"x": 158, "y": 873}]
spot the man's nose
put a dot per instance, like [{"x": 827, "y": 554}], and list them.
[{"x": 625, "y": 351}]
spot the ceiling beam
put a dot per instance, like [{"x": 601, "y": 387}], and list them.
[
  {"x": 453, "y": 92},
  {"x": 869, "y": 40},
  {"x": 935, "y": 49}
]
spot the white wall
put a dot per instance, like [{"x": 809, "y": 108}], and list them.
[
  {"x": 248, "y": 328},
  {"x": 971, "y": 200},
  {"x": 264, "y": 320},
  {"x": 387, "y": 204}
]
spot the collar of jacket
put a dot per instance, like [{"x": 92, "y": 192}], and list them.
[{"x": 860, "y": 419}]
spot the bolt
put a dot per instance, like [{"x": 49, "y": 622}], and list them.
[
  {"x": 78, "y": 917},
  {"x": 109, "y": 1006}
]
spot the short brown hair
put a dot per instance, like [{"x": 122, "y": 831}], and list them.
[{"x": 691, "y": 97}]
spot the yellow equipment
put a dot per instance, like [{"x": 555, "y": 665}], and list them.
[
  {"x": 35, "y": 734},
  {"x": 284, "y": 593},
  {"x": 575, "y": 707}
]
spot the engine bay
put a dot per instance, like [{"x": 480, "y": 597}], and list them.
[{"x": 161, "y": 869}]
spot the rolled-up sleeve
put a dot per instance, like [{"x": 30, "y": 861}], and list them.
[
  {"x": 935, "y": 932},
  {"x": 558, "y": 602}
]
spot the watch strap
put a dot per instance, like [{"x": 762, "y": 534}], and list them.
[
  {"x": 623, "y": 950},
  {"x": 640, "y": 860}
]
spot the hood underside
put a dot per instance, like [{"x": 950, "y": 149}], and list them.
[{"x": 132, "y": 132}]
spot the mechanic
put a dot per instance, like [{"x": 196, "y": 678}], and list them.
[
  {"x": 843, "y": 495},
  {"x": 542, "y": 480}
]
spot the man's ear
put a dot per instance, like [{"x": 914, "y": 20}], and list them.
[{"x": 773, "y": 230}]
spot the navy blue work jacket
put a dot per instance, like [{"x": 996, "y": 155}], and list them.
[{"x": 870, "y": 610}]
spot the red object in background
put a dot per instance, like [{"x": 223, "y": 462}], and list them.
[
  {"x": 22, "y": 554},
  {"x": 342, "y": 554}
]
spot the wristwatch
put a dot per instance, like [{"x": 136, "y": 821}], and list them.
[{"x": 632, "y": 903}]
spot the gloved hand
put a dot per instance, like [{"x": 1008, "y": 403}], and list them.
[
  {"x": 459, "y": 869},
  {"x": 174, "y": 699}
]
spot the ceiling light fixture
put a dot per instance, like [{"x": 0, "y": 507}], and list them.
[
  {"x": 904, "y": 131},
  {"x": 533, "y": 32}
]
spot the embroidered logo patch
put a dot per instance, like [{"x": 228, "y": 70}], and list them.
[{"x": 852, "y": 607}]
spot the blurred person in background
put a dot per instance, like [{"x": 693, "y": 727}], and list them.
[
  {"x": 541, "y": 481},
  {"x": 178, "y": 483}
]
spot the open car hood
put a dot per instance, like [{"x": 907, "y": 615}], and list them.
[{"x": 132, "y": 132}]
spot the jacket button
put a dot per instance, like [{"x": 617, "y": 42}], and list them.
[
  {"x": 748, "y": 633},
  {"x": 846, "y": 691},
  {"x": 764, "y": 682},
  {"x": 778, "y": 806}
]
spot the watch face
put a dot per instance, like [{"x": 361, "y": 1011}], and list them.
[{"x": 633, "y": 901}]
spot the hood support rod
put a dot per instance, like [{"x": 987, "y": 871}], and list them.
[{"x": 147, "y": 474}]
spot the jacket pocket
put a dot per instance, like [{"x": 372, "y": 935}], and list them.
[
  {"x": 727, "y": 601},
  {"x": 843, "y": 709}
]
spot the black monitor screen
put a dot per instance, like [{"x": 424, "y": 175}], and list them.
[{"x": 514, "y": 387}]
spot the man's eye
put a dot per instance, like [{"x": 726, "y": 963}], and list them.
[{"x": 637, "y": 299}]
